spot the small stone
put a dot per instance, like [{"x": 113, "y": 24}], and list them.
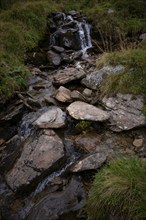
[
  {"x": 63, "y": 94},
  {"x": 87, "y": 92},
  {"x": 138, "y": 143}
]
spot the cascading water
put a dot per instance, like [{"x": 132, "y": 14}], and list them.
[{"x": 72, "y": 34}]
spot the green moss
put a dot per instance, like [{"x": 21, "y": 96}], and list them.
[
  {"x": 83, "y": 126},
  {"x": 119, "y": 189}
]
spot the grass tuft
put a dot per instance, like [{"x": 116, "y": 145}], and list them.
[{"x": 119, "y": 189}]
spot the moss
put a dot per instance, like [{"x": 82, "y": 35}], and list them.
[
  {"x": 83, "y": 126},
  {"x": 119, "y": 189}
]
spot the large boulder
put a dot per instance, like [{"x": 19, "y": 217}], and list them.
[
  {"x": 67, "y": 75},
  {"x": 53, "y": 118},
  {"x": 94, "y": 79},
  {"x": 41, "y": 154},
  {"x": 53, "y": 205},
  {"x": 83, "y": 111},
  {"x": 126, "y": 111}
]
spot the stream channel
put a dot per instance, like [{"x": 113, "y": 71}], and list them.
[{"x": 49, "y": 149}]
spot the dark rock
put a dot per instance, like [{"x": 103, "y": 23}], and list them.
[
  {"x": 67, "y": 75},
  {"x": 58, "y": 49},
  {"x": 83, "y": 111},
  {"x": 54, "y": 205},
  {"x": 41, "y": 154},
  {"x": 53, "y": 58},
  {"x": 88, "y": 142}
]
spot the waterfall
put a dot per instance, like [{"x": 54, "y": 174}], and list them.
[
  {"x": 73, "y": 30},
  {"x": 84, "y": 34}
]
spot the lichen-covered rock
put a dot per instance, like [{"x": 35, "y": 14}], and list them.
[
  {"x": 91, "y": 162},
  {"x": 67, "y": 75},
  {"x": 83, "y": 111},
  {"x": 126, "y": 111},
  {"x": 94, "y": 79},
  {"x": 53, "y": 118},
  {"x": 41, "y": 154}
]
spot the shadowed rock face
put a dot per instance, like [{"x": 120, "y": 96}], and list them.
[
  {"x": 83, "y": 111},
  {"x": 54, "y": 205},
  {"x": 40, "y": 154}
]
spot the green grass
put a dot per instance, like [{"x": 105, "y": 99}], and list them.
[
  {"x": 23, "y": 22},
  {"x": 120, "y": 189},
  {"x": 133, "y": 80},
  {"x": 21, "y": 27}
]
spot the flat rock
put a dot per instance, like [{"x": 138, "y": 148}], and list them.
[
  {"x": 83, "y": 111},
  {"x": 53, "y": 118},
  {"x": 126, "y": 111},
  {"x": 41, "y": 154},
  {"x": 53, "y": 205},
  {"x": 91, "y": 162},
  {"x": 63, "y": 94},
  {"x": 67, "y": 75},
  {"x": 94, "y": 79}
]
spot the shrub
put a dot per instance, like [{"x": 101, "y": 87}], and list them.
[{"x": 119, "y": 189}]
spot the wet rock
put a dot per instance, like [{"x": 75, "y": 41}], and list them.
[
  {"x": 9, "y": 153},
  {"x": 53, "y": 58},
  {"x": 37, "y": 58},
  {"x": 83, "y": 111},
  {"x": 54, "y": 205},
  {"x": 126, "y": 111},
  {"x": 34, "y": 103},
  {"x": 11, "y": 113},
  {"x": 67, "y": 75},
  {"x": 91, "y": 162},
  {"x": 53, "y": 118},
  {"x": 58, "y": 49},
  {"x": 63, "y": 94},
  {"x": 41, "y": 154},
  {"x": 94, "y": 79}
]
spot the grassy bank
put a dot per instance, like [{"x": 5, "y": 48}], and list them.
[{"x": 22, "y": 24}]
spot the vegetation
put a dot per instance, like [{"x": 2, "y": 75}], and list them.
[
  {"x": 83, "y": 126},
  {"x": 119, "y": 189},
  {"x": 23, "y": 22},
  {"x": 133, "y": 80}
]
